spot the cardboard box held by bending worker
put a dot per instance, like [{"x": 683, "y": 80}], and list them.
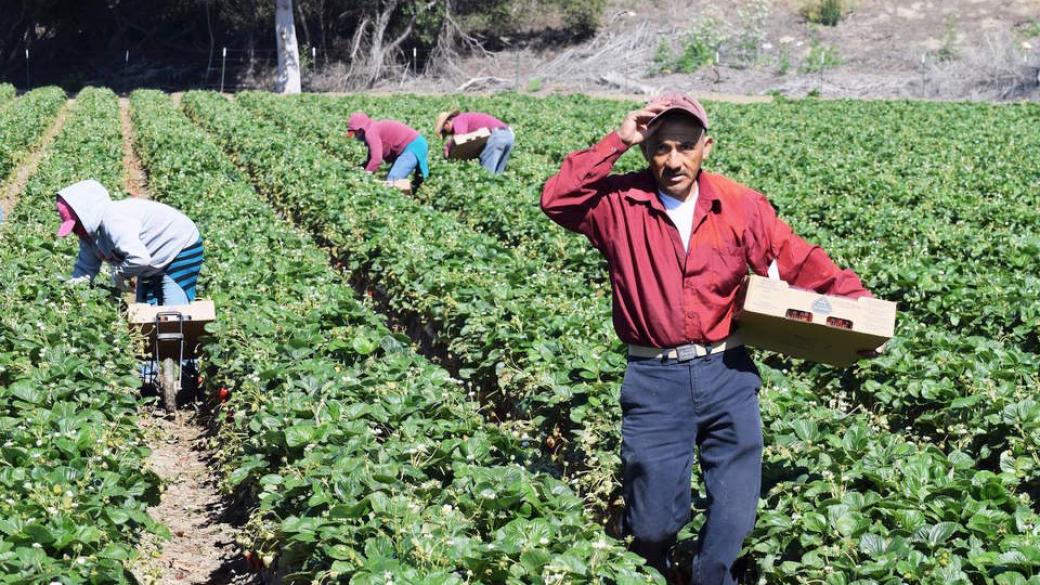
[
  {"x": 190, "y": 319},
  {"x": 469, "y": 145},
  {"x": 804, "y": 324}
]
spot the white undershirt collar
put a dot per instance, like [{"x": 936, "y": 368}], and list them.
[{"x": 681, "y": 212}]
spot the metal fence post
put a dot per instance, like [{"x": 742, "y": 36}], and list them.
[
  {"x": 819, "y": 85},
  {"x": 223, "y": 65}
]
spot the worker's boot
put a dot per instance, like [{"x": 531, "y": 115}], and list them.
[
  {"x": 678, "y": 576},
  {"x": 679, "y": 570}
]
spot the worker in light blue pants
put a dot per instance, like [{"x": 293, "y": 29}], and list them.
[
  {"x": 495, "y": 155},
  {"x": 416, "y": 154},
  {"x": 147, "y": 240},
  {"x": 404, "y": 148}
]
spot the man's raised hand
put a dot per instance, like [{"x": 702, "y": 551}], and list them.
[{"x": 633, "y": 128}]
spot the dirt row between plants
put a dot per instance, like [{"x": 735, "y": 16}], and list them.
[
  {"x": 20, "y": 178},
  {"x": 136, "y": 180},
  {"x": 201, "y": 549}
]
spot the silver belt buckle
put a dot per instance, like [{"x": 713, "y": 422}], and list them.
[{"x": 685, "y": 353}]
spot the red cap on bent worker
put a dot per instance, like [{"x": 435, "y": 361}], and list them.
[
  {"x": 682, "y": 103},
  {"x": 358, "y": 121},
  {"x": 68, "y": 218}
]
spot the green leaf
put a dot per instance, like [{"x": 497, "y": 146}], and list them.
[
  {"x": 117, "y": 516},
  {"x": 364, "y": 345},
  {"x": 941, "y": 532},
  {"x": 873, "y": 545},
  {"x": 298, "y": 435}
]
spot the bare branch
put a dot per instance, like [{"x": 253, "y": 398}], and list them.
[{"x": 481, "y": 81}]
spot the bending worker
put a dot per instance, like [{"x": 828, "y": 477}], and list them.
[
  {"x": 153, "y": 242},
  {"x": 394, "y": 142},
  {"x": 679, "y": 241},
  {"x": 495, "y": 155}
]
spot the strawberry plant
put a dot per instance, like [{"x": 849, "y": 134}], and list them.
[
  {"x": 7, "y": 93},
  {"x": 358, "y": 458},
  {"x": 480, "y": 295},
  {"x": 952, "y": 305}
]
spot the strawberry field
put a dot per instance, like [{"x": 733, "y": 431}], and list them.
[
  {"x": 7, "y": 93},
  {"x": 22, "y": 122},
  {"x": 73, "y": 490},
  {"x": 425, "y": 388}
]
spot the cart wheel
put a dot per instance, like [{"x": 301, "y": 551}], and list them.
[{"x": 169, "y": 383}]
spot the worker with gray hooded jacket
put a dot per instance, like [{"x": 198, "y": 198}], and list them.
[{"x": 148, "y": 240}]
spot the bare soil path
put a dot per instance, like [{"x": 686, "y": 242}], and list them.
[
  {"x": 136, "y": 180},
  {"x": 201, "y": 549},
  {"x": 16, "y": 183}
]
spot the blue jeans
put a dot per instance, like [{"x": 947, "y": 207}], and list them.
[
  {"x": 403, "y": 167},
  {"x": 172, "y": 293},
  {"x": 668, "y": 407},
  {"x": 495, "y": 155},
  {"x": 176, "y": 284},
  {"x": 415, "y": 155}
]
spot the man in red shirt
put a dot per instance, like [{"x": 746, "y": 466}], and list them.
[
  {"x": 495, "y": 155},
  {"x": 405, "y": 148},
  {"x": 679, "y": 242}
]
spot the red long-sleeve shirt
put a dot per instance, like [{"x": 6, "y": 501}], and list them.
[
  {"x": 665, "y": 296},
  {"x": 386, "y": 140}
]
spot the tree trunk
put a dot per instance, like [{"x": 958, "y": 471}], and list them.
[
  {"x": 324, "y": 32},
  {"x": 288, "y": 79},
  {"x": 254, "y": 28},
  {"x": 209, "y": 27}
]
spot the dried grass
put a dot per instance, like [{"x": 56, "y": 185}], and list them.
[{"x": 998, "y": 68}]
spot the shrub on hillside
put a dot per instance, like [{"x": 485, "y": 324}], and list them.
[
  {"x": 582, "y": 17},
  {"x": 696, "y": 48},
  {"x": 825, "y": 12}
]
